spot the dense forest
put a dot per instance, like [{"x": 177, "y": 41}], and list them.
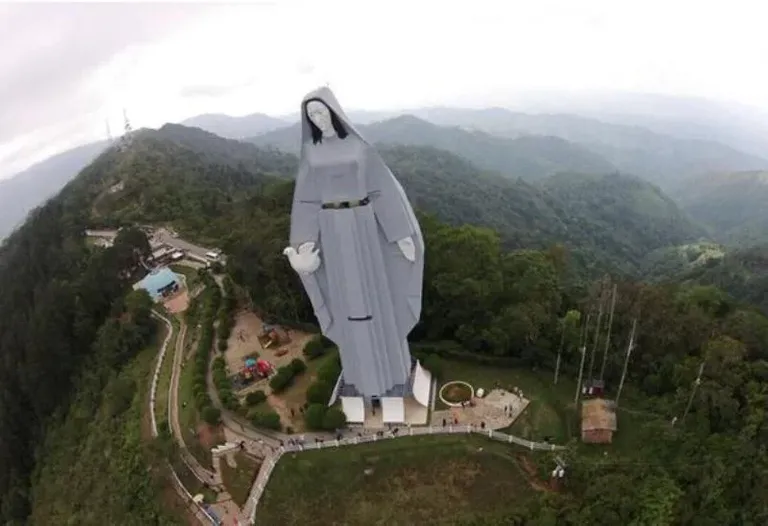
[
  {"x": 509, "y": 267},
  {"x": 731, "y": 205},
  {"x": 186, "y": 176},
  {"x": 55, "y": 294}
]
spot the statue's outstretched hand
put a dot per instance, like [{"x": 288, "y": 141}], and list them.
[
  {"x": 304, "y": 261},
  {"x": 408, "y": 248}
]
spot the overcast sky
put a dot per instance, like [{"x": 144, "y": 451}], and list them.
[{"x": 65, "y": 69}]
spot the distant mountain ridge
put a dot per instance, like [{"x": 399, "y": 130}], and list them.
[
  {"x": 28, "y": 189},
  {"x": 733, "y": 205},
  {"x": 197, "y": 181},
  {"x": 662, "y": 159},
  {"x": 235, "y": 127},
  {"x": 529, "y": 157}
]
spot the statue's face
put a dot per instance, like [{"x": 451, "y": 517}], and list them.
[{"x": 320, "y": 115}]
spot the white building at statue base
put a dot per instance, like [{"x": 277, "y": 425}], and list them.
[{"x": 409, "y": 406}]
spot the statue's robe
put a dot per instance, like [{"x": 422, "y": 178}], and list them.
[{"x": 366, "y": 295}]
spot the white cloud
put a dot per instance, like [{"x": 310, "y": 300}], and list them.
[{"x": 240, "y": 59}]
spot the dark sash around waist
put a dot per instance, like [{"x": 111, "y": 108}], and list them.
[{"x": 346, "y": 204}]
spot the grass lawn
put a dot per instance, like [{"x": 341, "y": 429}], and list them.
[
  {"x": 164, "y": 379},
  {"x": 414, "y": 480},
  {"x": 239, "y": 480},
  {"x": 188, "y": 416},
  {"x": 550, "y": 412}
]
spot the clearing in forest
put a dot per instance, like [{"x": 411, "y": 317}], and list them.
[
  {"x": 549, "y": 414},
  {"x": 412, "y": 480}
]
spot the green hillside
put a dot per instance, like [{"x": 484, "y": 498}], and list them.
[
  {"x": 186, "y": 177},
  {"x": 69, "y": 346},
  {"x": 662, "y": 159},
  {"x": 531, "y": 157},
  {"x": 734, "y": 206}
]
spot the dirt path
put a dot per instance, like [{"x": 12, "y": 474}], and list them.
[{"x": 533, "y": 476}]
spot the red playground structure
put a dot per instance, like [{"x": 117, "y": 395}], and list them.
[{"x": 258, "y": 368}]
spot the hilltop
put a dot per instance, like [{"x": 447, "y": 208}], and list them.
[
  {"x": 482, "y": 303},
  {"x": 530, "y": 157},
  {"x": 198, "y": 181}
]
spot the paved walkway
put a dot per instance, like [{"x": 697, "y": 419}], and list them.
[{"x": 182, "y": 491}]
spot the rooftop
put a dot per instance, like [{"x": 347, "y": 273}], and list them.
[{"x": 598, "y": 414}]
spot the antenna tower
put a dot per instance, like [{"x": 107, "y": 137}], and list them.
[
  {"x": 583, "y": 348},
  {"x": 125, "y": 140},
  {"x": 626, "y": 360},
  {"x": 608, "y": 336},
  {"x": 597, "y": 334}
]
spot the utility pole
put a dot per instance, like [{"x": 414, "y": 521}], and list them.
[
  {"x": 608, "y": 336},
  {"x": 696, "y": 384},
  {"x": 597, "y": 336},
  {"x": 583, "y": 349},
  {"x": 626, "y": 360},
  {"x": 560, "y": 352}
]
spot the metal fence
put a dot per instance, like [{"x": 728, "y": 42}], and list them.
[{"x": 249, "y": 511}]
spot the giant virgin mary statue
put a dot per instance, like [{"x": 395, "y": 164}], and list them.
[{"x": 357, "y": 247}]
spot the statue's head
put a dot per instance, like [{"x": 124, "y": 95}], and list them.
[{"x": 323, "y": 122}]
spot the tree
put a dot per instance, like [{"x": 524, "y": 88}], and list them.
[
  {"x": 314, "y": 416},
  {"x": 434, "y": 365},
  {"x": 334, "y": 418},
  {"x": 211, "y": 415},
  {"x": 319, "y": 392},
  {"x": 255, "y": 397},
  {"x": 298, "y": 366}
]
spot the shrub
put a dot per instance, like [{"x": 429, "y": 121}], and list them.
[
  {"x": 211, "y": 415},
  {"x": 282, "y": 379},
  {"x": 255, "y": 398},
  {"x": 298, "y": 366},
  {"x": 434, "y": 365},
  {"x": 222, "y": 346},
  {"x": 329, "y": 372},
  {"x": 314, "y": 348},
  {"x": 326, "y": 343},
  {"x": 314, "y": 416},
  {"x": 269, "y": 420},
  {"x": 319, "y": 392},
  {"x": 334, "y": 419}
]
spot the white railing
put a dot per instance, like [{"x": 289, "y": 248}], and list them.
[
  {"x": 249, "y": 511},
  {"x": 180, "y": 488},
  {"x": 158, "y": 367}
]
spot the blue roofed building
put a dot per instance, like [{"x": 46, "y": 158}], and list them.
[{"x": 159, "y": 283}]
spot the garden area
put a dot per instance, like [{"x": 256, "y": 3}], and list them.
[
  {"x": 412, "y": 480},
  {"x": 238, "y": 480}
]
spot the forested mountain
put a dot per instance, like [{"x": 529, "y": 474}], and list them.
[
  {"x": 530, "y": 157},
  {"x": 186, "y": 176},
  {"x": 661, "y": 159},
  {"x": 482, "y": 301},
  {"x": 734, "y": 206},
  {"x": 737, "y": 125},
  {"x": 235, "y": 127},
  {"x": 28, "y": 189},
  {"x": 55, "y": 294},
  {"x": 742, "y": 273}
]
